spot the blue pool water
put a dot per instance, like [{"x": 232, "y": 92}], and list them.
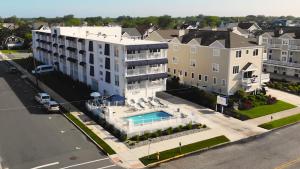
[{"x": 149, "y": 117}]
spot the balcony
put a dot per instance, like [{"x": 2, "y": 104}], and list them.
[
  {"x": 131, "y": 79},
  {"x": 250, "y": 81},
  {"x": 143, "y": 71},
  {"x": 281, "y": 46},
  {"x": 281, "y": 63}
]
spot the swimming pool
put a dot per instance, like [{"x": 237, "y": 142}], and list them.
[{"x": 149, "y": 117}]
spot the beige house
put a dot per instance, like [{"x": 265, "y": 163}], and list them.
[{"x": 217, "y": 61}]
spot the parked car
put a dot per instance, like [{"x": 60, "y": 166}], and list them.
[
  {"x": 52, "y": 106},
  {"x": 43, "y": 69},
  {"x": 42, "y": 98},
  {"x": 12, "y": 69}
]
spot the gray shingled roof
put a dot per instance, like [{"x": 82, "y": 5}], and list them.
[
  {"x": 227, "y": 38},
  {"x": 131, "y": 31}
]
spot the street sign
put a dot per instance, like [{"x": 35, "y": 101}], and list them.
[{"x": 222, "y": 101}]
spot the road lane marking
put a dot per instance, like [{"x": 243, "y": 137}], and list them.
[
  {"x": 75, "y": 165},
  {"x": 288, "y": 164},
  {"x": 46, "y": 165},
  {"x": 107, "y": 166}
]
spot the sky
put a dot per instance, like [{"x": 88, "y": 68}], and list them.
[{"x": 114, "y": 8}]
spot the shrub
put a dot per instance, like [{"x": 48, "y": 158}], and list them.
[
  {"x": 123, "y": 136},
  {"x": 271, "y": 100},
  {"x": 189, "y": 126},
  {"x": 159, "y": 132},
  {"x": 154, "y": 135},
  {"x": 204, "y": 126},
  {"x": 169, "y": 130}
]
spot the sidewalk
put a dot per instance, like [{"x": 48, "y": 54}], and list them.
[
  {"x": 276, "y": 116},
  {"x": 284, "y": 96},
  {"x": 125, "y": 157}
]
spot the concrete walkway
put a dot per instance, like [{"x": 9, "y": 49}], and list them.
[
  {"x": 265, "y": 119},
  {"x": 284, "y": 96}
]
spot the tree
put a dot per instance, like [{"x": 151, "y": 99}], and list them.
[
  {"x": 212, "y": 21},
  {"x": 165, "y": 21}
]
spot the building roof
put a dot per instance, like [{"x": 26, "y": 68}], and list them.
[
  {"x": 168, "y": 33},
  {"x": 293, "y": 32},
  {"x": 227, "y": 38},
  {"x": 131, "y": 31},
  {"x": 245, "y": 25}
]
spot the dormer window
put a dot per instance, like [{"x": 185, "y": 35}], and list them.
[{"x": 285, "y": 42}]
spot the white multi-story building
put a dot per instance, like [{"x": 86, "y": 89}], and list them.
[
  {"x": 101, "y": 58},
  {"x": 282, "y": 52}
]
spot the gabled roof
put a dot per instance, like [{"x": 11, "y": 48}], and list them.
[
  {"x": 227, "y": 38},
  {"x": 245, "y": 25},
  {"x": 168, "y": 33},
  {"x": 131, "y": 31}
]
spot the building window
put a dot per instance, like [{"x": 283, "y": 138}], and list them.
[
  {"x": 92, "y": 73},
  {"x": 216, "y": 52},
  {"x": 199, "y": 77},
  {"x": 238, "y": 54},
  {"x": 255, "y": 52},
  {"x": 107, "y": 77},
  {"x": 174, "y": 60},
  {"x": 175, "y": 47},
  {"x": 91, "y": 58},
  {"x": 270, "y": 51},
  {"x": 107, "y": 63},
  {"x": 169, "y": 70},
  {"x": 91, "y": 46},
  {"x": 185, "y": 74},
  {"x": 180, "y": 72},
  {"x": 193, "y": 50},
  {"x": 223, "y": 82},
  {"x": 116, "y": 51},
  {"x": 291, "y": 53},
  {"x": 265, "y": 40},
  {"x": 214, "y": 80},
  {"x": 174, "y": 71},
  {"x": 117, "y": 81},
  {"x": 236, "y": 69},
  {"x": 284, "y": 53},
  {"x": 192, "y": 75},
  {"x": 215, "y": 67},
  {"x": 107, "y": 50},
  {"x": 285, "y": 42},
  {"x": 247, "y": 52},
  {"x": 116, "y": 67},
  {"x": 193, "y": 63},
  {"x": 205, "y": 78}
]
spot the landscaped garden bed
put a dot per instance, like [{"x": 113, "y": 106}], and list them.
[
  {"x": 190, "y": 148},
  {"x": 286, "y": 86},
  {"x": 252, "y": 106},
  {"x": 161, "y": 135},
  {"x": 281, "y": 122}
]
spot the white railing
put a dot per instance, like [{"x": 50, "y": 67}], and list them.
[
  {"x": 144, "y": 71},
  {"x": 280, "y": 63},
  {"x": 294, "y": 47},
  {"x": 249, "y": 81},
  {"x": 144, "y": 56}
]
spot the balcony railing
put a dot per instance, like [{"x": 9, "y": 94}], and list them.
[
  {"x": 143, "y": 71},
  {"x": 280, "y": 46},
  {"x": 281, "y": 63},
  {"x": 143, "y": 56},
  {"x": 250, "y": 81}
]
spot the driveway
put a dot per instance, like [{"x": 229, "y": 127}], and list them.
[{"x": 31, "y": 137}]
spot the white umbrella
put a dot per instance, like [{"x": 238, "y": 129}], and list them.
[{"x": 95, "y": 94}]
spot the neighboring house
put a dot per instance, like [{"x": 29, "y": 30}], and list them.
[
  {"x": 246, "y": 29},
  {"x": 145, "y": 30},
  {"x": 131, "y": 33},
  {"x": 282, "y": 51},
  {"x": 217, "y": 61},
  {"x": 166, "y": 35},
  {"x": 12, "y": 41},
  {"x": 101, "y": 58},
  {"x": 39, "y": 25},
  {"x": 189, "y": 26},
  {"x": 282, "y": 22},
  {"x": 10, "y": 26}
]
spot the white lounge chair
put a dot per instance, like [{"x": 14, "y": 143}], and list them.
[
  {"x": 138, "y": 106},
  {"x": 142, "y": 104},
  {"x": 159, "y": 102}
]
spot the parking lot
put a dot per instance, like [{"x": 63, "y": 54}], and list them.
[{"x": 33, "y": 138}]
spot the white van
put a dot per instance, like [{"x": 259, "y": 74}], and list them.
[{"x": 43, "y": 69}]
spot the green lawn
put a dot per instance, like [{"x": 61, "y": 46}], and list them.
[
  {"x": 13, "y": 51},
  {"x": 281, "y": 122},
  {"x": 266, "y": 109},
  {"x": 99, "y": 141},
  {"x": 164, "y": 155}
]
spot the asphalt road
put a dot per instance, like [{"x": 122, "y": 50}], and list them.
[
  {"x": 277, "y": 150},
  {"x": 30, "y": 137}
]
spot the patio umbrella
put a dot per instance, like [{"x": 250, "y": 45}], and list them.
[{"x": 95, "y": 94}]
